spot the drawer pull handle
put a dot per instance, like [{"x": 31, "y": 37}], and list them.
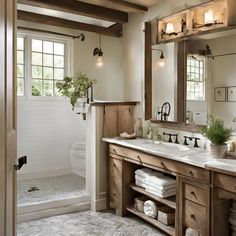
[
  {"x": 114, "y": 150},
  {"x": 194, "y": 194},
  {"x": 191, "y": 173},
  {"x": 139, "y": 158},
  {"x": 114, "y": 194},
  {"x": 162, "y": 163},
  {"x": 115, "y": 165},
  {"x": 193, "y": 216}
]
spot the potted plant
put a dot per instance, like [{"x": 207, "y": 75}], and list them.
[
  {"x": 75, "y": 88},
  {"x": 218, "y": 134}
]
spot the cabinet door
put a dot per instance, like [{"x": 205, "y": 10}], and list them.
[{"x": 115, "y": 183}]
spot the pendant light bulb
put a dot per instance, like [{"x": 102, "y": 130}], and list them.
[
  {"x": 99, "y": 62},
  {"x": 161, "y": 61}
]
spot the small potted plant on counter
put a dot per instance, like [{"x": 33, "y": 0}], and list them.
[
  {"x": 76, "y": 89},
  {"x": 218, "y": 134}
]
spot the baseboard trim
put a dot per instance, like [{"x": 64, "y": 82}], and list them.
[
  {"x": 43, "y": 174},
  {"x": 100, "y": 205},
  {"x": 53, "y": 211}
]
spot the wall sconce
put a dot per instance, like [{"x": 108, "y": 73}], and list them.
[
  {"x": 98, "y": 52},
  {"x": 161, "y": 61},
  {"x": 170, "y": 30}
]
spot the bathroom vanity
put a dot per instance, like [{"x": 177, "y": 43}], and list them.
[{"x": 204, "y": 187}]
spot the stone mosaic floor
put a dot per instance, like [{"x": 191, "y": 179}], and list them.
[
  {"x": 51, "y": 188},
  {"x": 87, "y": 223}
]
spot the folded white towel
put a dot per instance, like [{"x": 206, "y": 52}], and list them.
[
  {"x": 143, "y": 172},
  {"x": 150, "y": 209},
  {"x": 162, "y": 195},
  {"x": 141, "y": 179},
  {"x": 161, "y": 190},
  {"x": 160, "y": 187},
  {"x": 192, "y": 232},
  {"x": 161, "y": 180},
  {"x": 140, "y": 184}
]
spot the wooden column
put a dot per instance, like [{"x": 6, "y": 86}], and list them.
[
  {"x": 148, "y": 71},
  {"x": 181, "y": 82}
]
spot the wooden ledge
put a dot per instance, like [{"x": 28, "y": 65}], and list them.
[
  {"x": 112, "y": 103},
  {"x": 179, "y": 126}
]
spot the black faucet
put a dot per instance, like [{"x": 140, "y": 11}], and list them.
[
  {"x": 170, "y": 137},
  {"x": 185, "y": 140},
  {"x": 165, "y": 114},
  {"x": 191, "y": 138}
]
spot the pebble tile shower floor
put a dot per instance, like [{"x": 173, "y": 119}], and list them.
[
  {"x": 50, "y": 188},
  {"x": 87, "y": 223}
]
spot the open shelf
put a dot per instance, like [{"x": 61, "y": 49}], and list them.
[
  {"x": 170, "y": 201},
  {"x": 168, "y": 229}
]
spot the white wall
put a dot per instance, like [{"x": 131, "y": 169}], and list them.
[
  {"x": 46, "y": 129},
  {"x": 133, "y": 41}
]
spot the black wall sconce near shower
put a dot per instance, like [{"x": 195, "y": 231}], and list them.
[
  {"x": 161, "y": 61},
  {"x": 98, "y": 52}
]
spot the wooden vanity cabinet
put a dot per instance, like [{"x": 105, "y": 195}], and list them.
[{"x": 193, "y": 188}]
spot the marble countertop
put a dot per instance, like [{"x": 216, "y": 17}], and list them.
[{"x": 193, "y": 156}]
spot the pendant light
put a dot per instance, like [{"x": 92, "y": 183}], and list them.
[
  {"x": 161, "y": 61},
  {"x": 99, "y": 53}
]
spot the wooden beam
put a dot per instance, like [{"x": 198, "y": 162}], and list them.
[
  {"x": 49, "y": 20},
  {"x": 80, "y": 8},
  {"x": 130, "y": 5},
  {"x": 148, "y": 71}
]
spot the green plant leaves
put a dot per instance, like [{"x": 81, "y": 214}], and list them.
[
  {"x": 217, "y": 132},
  {"x": 75, "y": 88}
]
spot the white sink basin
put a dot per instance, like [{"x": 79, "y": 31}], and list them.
[{"x": 164, "y": 148}]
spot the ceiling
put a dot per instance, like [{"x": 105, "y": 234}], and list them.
[
  {"x": 115, "y": 5},
  {"x": 99, "y": 16}
]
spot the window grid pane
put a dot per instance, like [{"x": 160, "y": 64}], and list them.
[
  {"x": 195, "y": 79},
  {"x": 20, "y": 66},
  {"x": 48, "y": 67}
]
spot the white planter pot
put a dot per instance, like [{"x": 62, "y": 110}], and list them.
[{"x": 218, "y": 151}]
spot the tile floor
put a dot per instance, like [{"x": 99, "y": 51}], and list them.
[
  {"x": 51, "y": 188},
  {"x": 87, "y": 223}
]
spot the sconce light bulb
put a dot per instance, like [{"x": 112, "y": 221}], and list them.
[
  {"x": 161, "y": 62},
  {"x": 170, "y": 28},
  {"x": 99, "y": 62}
]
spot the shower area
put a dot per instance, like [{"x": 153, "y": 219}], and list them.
[{"x": 49, "y": 133}]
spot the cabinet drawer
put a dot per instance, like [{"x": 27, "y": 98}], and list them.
[
  {"x": 225, "y": 182},
  {"x": 164, "y": 163},
  {"x": 196, "y": 194},
  {"x": 195, "y": 216}
]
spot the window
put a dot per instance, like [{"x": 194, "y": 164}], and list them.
[
  {"x": 20, "y": 66},
  {"x": 195, "y": 78},
  {"x": 41, "y": 63},
  {"x": 48, "y": 67}
]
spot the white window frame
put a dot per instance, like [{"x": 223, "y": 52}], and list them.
[
  {"x": 69, "y": 59},
  {"x": 198, "y": 57}
]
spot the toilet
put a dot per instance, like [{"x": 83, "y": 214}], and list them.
[{"x": 78, "y": 158}]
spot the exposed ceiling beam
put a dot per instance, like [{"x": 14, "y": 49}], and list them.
[
  {"x": 49, "y": 20},
  {"x": 130, "y": 5},
  {"x": 80, "y": 8}
]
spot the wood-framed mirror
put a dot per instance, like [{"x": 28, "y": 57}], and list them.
[{"x": 197, "y": 80}]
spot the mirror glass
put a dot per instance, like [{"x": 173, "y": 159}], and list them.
[
  {"x": 210, "y": 78},
  {"x": 164, "y": 77}
]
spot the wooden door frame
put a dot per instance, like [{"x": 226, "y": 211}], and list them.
[{"x": 7, "y": 117}]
